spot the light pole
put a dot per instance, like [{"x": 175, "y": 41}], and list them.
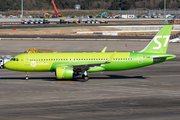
[
  {"x": 21, "y": 8},
  {"x": 164, "y": 8}
]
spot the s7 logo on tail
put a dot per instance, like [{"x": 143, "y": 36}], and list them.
[{"x": 159, "y": 43}]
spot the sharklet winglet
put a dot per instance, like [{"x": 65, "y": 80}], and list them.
[
  {"x": 103, "y": 51},
  {"x": 111, "y": 58}
]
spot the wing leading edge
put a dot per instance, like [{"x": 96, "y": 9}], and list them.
[{"x": 87, "y": 66}]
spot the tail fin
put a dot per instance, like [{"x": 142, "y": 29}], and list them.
[{"x": 160, "y": 42}]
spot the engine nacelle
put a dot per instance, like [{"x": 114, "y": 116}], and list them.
[{"x": 64, "y": 73}]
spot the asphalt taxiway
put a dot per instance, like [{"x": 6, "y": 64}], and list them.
[
  {"x": 77, "y": 37},
  {"x": 149, "y": 93}
]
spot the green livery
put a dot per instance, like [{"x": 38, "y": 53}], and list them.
[
  {"x": 160, "y": 42},
  {"x": 66, "y": 65}
]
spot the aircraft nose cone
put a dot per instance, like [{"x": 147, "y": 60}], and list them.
[{"x": 7, "y": 65}]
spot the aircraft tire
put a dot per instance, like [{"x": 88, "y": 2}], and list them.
[
  {"x": 85, "y": 78},
  {"x": 27, "y": 78}
]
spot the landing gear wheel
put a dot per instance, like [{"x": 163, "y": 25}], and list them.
[
  {"x": 86, "y": 78},
  {"x": 27, "y": 78}
]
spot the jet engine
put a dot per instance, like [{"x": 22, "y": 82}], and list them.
[{"x": 64, "y": 73}]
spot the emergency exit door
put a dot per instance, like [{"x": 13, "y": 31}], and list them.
[
  {"x": 26, "y": 60},
  {"x": 140, "y": 59}
]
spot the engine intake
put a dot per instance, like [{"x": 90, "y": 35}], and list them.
[{"x": 64, "y": 73}]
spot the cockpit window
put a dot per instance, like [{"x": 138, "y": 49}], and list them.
[{"x": 14, "y": 59}]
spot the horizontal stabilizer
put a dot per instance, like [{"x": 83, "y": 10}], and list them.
[{"x": 161, "y": 57}]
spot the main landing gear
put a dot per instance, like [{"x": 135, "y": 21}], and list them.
[
  {"x": 27, "y": 75},
  {"x": 85, "y": 76}
]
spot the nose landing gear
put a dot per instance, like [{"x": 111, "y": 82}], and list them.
[{"x": 27, "y": 75}]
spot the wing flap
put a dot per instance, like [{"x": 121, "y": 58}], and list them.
[{"x": 87, "y": 66}]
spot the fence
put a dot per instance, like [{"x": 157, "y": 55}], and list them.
[{"x": 145, "y": 11}]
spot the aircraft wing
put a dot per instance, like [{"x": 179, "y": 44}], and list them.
[{"x": 87, "y": 66}]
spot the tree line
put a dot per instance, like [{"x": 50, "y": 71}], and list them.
[{"x": 6, "y": 5}]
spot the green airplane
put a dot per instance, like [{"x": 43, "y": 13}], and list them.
[{"x": 67, "y": 65}]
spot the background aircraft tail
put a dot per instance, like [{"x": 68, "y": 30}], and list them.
[{"x": 160, "y": 42}]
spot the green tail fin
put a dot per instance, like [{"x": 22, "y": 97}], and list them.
[{"x": 160, "y": 42}]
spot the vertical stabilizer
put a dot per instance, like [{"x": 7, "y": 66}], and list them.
[{"x": 160, "y": 42}]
